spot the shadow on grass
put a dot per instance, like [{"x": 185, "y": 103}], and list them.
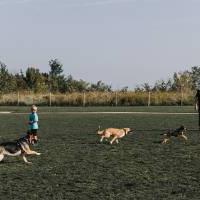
[{"x": 157, "y": 142}]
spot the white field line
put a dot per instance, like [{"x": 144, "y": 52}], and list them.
[
  {"x": 142, "y": 113},
  {"x": 5, "y": 112}
]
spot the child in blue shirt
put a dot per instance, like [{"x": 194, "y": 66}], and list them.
[{"x": 33, "y": 122}]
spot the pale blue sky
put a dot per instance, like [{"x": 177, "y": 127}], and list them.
[{"x": 121, "y": 42}]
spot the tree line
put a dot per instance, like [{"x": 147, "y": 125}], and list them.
[
  {"x": 56, "y": 81},
  {"x": 188, "y": 80}
]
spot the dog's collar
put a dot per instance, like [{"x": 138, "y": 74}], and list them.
[{"x": 125, "y": 131}]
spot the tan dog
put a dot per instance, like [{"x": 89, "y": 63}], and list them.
[{"x": 116, "y": 133}]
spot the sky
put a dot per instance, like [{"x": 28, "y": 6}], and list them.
[{"x": 120, "y": 42}]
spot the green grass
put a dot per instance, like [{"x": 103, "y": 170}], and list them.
[{"x": 74, "y": 165}]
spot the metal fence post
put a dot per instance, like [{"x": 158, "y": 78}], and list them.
[
  {"x": 116, "y": 100},
  {"x": 84, "y": 99},
  {"x": 50, "y": 99},
  {"x": 181, "y": 96},
  {"x": 17, "y": 98},
  {"x": 149, "y": 99}
]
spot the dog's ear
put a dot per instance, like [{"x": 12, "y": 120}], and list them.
[{"x": 98, "y": 128}]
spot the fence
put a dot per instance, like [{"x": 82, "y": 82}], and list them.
[{"x": 98, "y": 99}]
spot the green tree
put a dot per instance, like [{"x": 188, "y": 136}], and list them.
[
  {"x": 73, "y": 85},
  {"x": 21, "y": 81},
  {"x": 7, "y": 80},
  {"x": 124, "y": 89},
  {"x": 80, "y": 85},
  {"x": 57, "y": 79},
  {"x": 100, "y": 87},
  {"x": 195, "y": 77},
  {"x": 35, "y": 80},
  {"x": 182, "y": 81},
  {"x": 146, "y": 87},
  {"x": 160, "y": 85}
]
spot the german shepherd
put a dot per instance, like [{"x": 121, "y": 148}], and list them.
[
  {"x": 116, "y": 133},
  {"x": 20, "y": 147},
  {"x": 179, "y": 132}
]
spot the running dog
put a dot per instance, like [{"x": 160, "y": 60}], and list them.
[
  {"x": 179, "y": 132},
  {"x": 20, "y": 147},
  {"x": 113, "y": 132}
]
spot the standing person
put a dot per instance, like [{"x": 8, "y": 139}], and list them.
[
  {"x": 197, "y": 100},
  {"x": 33, "y": 122},
  {"x": 197, "y": 104}
]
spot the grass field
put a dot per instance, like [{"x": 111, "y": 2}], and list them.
[{"x": 74, "y": 165}]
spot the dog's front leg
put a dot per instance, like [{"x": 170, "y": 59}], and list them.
[
  {"x": 25, "y": 160},
  {"x": 184, "y": 137},
  {"x": 30, "y": 152},
  {"x": 102, "y": 137},
  {"x": 1, "y": 157},
  {"x": 165, "y": 141},
  {"x": 113, "y": 139}
]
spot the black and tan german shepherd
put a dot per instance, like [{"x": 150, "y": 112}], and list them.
[
  {"x": 20, "y": 147},
  {"x": 179, "y": 132}
]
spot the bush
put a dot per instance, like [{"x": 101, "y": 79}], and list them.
[{"x": 98, "y": 99}]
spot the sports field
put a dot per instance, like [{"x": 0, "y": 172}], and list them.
[{"x": 74, "y": 165}]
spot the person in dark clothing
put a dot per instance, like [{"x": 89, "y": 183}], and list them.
[{"x": 197, "y": 103}]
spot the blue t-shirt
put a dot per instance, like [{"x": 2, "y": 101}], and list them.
[{"x": 33, "y": 121}]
